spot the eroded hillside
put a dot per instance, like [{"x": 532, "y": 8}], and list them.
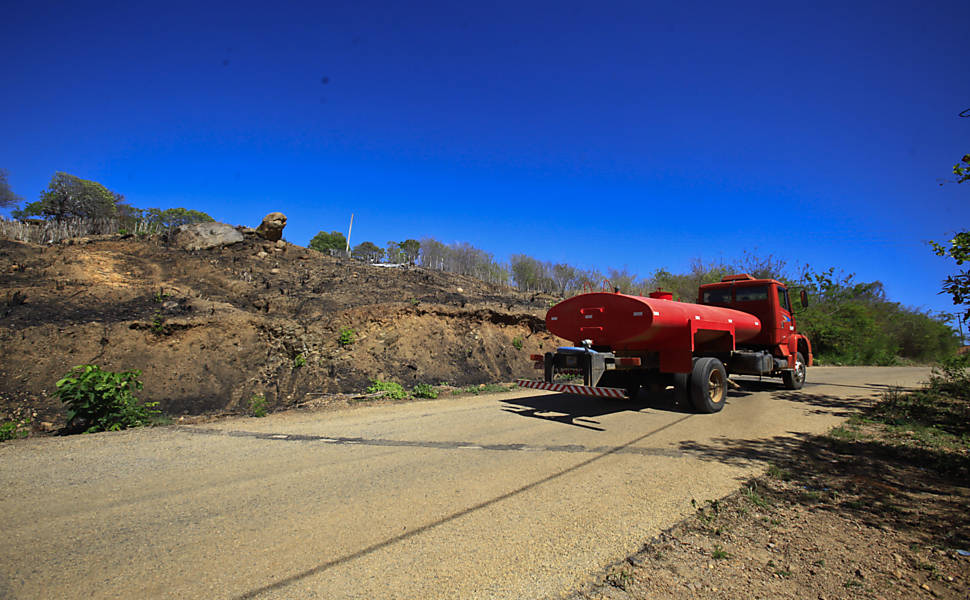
[{"x": 210, "y": 328}]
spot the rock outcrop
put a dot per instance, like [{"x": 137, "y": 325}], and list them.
[
  {"x": 202, "y": 236},
  {"x": 271, "y": 229}
]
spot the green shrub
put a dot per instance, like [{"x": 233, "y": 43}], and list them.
[
  {"x": 100, "y": 400},
  {"x": 517, "y": 342},
  {"x": 13, "y": 429},
  {"x": 424, "y": 390},
  {"x": 299, "y": 361},
  {"x": 257, "y": 405},
  {"x": 346, "y": 336},
  {"x": 387, "y": 389}
]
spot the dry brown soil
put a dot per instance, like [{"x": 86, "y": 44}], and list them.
[
  {"x": 210, "y": 328},
  {"x": 834, "y": 518}
]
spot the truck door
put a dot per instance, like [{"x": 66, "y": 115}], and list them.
[{"x": 784, "y": 323}]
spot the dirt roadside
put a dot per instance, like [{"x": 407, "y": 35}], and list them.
[{"x": 878, "y": 508}]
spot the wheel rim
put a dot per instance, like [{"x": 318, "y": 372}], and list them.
[
  {"x": 715, "y": 386},
  {"x": 800, "y": 372}
]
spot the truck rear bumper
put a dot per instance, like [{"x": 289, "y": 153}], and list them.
[{"x": 567, "y": 388}]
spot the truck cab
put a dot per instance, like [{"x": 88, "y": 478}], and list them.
[{"x": 769, "y": 300}]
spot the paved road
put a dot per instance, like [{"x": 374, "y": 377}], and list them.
[{"x": 516, "y": 495}]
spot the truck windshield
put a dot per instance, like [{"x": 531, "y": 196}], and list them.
[
  {"x": 751, "y": 294},
  {"x": 717, "y": 296}
]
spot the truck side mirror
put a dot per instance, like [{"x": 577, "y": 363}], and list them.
[{"x": 803, "y": 296}]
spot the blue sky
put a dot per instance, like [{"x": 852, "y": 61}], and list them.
[{"x": 612, "y": 134}]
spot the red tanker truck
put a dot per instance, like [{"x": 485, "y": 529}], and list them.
[{"x": 740, "y": 325}]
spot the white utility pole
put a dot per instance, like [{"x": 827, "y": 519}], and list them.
[{"x": 349, "y": 230}]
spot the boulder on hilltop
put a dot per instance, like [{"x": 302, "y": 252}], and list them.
[
  {"x": 202, "y": 236},
  {"x": 271, "y": 229}
]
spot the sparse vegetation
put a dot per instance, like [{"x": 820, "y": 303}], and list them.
[
  {"x": 257, "y": 405},
  {"x": 346, "y": 337},
  {"x": 778, "y": 473},
  {"x": 299, "y": 361},
  {"x": 517, "y": 343},
  {"x": 158, "y": 325},
  {"x": 99, "y": 400},
  {"x": 935, "y": 418},
  {"x": 752, "y": 496},
  {"x": 387, "y": 389},
  {"x": 424, "y": 390},
  {"x": 620, "y": 578},
  {"x": 718, "y": 553},
  {"x": 10, "y": 430}
]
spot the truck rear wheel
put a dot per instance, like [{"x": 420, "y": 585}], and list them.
[
  {"x": 708, "y": 385},
  {"x": 795, "y": 379}
]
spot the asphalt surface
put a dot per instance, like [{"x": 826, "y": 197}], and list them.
[{"x": 515, "y": 495}]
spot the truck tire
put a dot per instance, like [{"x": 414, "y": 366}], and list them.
[
  {"x": 708, "y": 385},
  {"x": 795, "y": 378}
]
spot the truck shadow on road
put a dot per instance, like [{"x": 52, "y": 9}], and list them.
[
  {"x": 841, "y": 406},
  {"x": 584, "y": 411},
  {"x": 769, "y": 385}
]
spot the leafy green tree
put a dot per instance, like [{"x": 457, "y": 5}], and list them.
[
  {"x": 527, "y": 272},
  {"x": 368, "y": 252},
  {"x": 174, "y": 217},
  {"x": 324, "y": 242},
  {"x": 684, "y": 286},
  {"x": 68, "y": 196},
  {"x": 7, "y": 197},
  {"x": 852, "y": 322},
  {"x": 393, "y": 253},
  {"x": 407, "y": 251},
  {"x": 957, "y": 285},
  {"x": 410, "y": 249}
]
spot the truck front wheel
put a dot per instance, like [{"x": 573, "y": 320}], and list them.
[
  {"x": 795, "y": 378},
  {"x": 708, "y": 385}
]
